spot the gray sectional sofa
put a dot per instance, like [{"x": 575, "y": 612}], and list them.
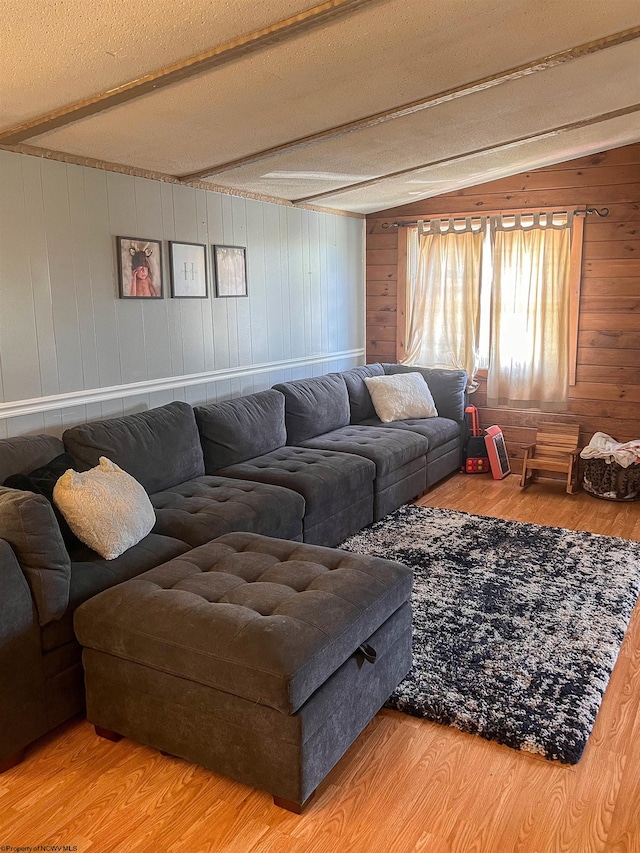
[
  {"x": 298, "y": 435},
  {"x": 306, "y": 461},
  {"x": 337, "y": 487}
]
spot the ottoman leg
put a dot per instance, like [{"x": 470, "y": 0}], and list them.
[
  {"x": 290, "y": 805},
  {"x": 107, "y": 734}
]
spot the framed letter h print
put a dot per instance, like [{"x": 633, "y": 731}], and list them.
[{"x": 188, "y": 270}]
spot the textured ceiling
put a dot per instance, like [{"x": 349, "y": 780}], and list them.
[
  {"x": 374, "y": 57},
  {"x": 55, "y": 52}
]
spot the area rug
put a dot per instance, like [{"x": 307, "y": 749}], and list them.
[{"x": 517, "y": 627}]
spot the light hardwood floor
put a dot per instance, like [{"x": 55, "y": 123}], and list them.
[{"x": 405, "y": 785}]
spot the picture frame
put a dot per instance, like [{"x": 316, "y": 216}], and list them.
[
  {"x": 189, "y": 274},
  {"x": 230, "y": 264},
  {"x": 139, "y": 268}
]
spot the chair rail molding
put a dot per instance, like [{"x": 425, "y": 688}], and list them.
[{"x": 15, "y": 408}]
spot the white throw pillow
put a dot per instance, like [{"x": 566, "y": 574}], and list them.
[
  {"x": 105, "y": 507},
  {"x": 401, "y": 396}
]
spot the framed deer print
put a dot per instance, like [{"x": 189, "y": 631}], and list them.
[{"x": 139, "y": 268}]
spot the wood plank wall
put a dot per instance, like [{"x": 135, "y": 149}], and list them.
[{"x": 606, "y": 396}]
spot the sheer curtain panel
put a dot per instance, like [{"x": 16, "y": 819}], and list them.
[
  {"x": 529, "y": 337},
  {"x": 444, "y": 295}
]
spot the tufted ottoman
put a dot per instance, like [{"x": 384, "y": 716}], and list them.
[{"x": 260, "y": 658}]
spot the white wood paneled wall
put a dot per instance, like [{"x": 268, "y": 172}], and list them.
[{"x": 63, "y": 329}]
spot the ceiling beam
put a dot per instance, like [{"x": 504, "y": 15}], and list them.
[
  {"x": 225, "y": 53},
  {"x": 480, "y": 85},
  {"x": 500, "y": 146}
]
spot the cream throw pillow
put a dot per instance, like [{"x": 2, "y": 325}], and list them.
[
  {"x": 105, "y": 507},
  {"x": 401, "y": 396}
]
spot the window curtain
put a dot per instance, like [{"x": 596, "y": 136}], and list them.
[
  {"x": 529, "y": 337},
  {"x": 444, "y": 295}
]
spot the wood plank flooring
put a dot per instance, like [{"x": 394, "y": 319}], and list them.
[{"x": 405, "y": 785}]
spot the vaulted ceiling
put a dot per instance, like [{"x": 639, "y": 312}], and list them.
[{"x": 356, "y": 105}]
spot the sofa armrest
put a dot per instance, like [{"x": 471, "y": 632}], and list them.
[
  {"x": 22, "y": 707},
  {"x": 28, "y": 524}
]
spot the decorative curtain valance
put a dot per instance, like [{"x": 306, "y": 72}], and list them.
[
  {"x": 525, "y": 221},
  {"x": 470, "y": 224}
]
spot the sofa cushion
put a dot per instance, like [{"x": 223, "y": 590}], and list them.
[
  {"x": 201, "y": 509},
  {"x": 91, "y": 574},
  {"x": 160, "y": 448},
  {"x": 400, "y": 397},
  {"x": 28, "y": 524},
  {"x": 241, "y": 429},
  {"x": 316, "y": 474},
  {"x": 106, "y": 508},
  {"x": 263, "y": 619},
  {"x": 26, "y": 452},
  {"x": 41, "y": 481},
  {"x": 388, "y": 449},
  {"x": 437, "y": 431},
  {"x": 447, "y": 387},
  {"x": 360, "y": 400},
  {"x": 330, "y": 482},
  {"x": 314, "y": 406}
]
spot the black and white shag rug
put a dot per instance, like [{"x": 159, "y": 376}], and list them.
[{"x": 517, "y": 627}]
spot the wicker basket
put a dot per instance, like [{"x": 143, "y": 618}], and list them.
[{"x": 611, "y": 481}]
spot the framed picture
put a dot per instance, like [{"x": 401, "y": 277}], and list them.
[
  {"x": 139, "y": 268},
  {"x": 230, "y": 270},
  {"x": 188, "y": 270}
]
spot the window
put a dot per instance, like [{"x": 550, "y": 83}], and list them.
[{"x": 501, "y": 294}]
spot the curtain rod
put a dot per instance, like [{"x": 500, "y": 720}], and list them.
[{"x": 589, "y": 210}]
